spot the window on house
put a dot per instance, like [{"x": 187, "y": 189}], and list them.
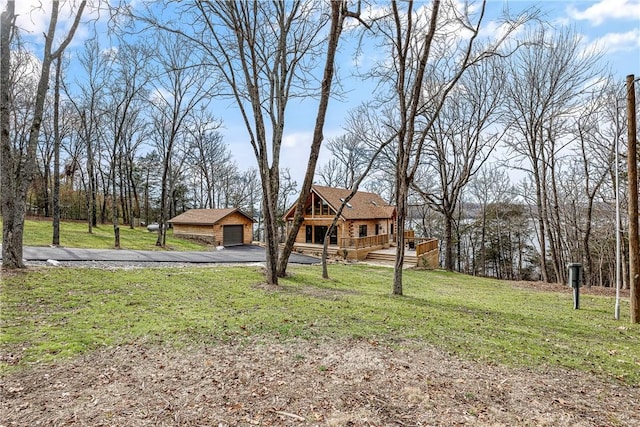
[
  {"x": 362, "y": 231},
  {"x": 316, "y": 206},
  {"x": 325, "y": 208},
  {"x": 322, "y": 207}
]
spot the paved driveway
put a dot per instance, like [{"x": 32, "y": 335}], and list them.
[{"x": 235, "y": 254}]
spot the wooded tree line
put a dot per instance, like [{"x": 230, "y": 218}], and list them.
[{"x": 500, "y": 145}]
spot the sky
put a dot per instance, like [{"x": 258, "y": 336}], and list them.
[{"x": 612, "y": 25}]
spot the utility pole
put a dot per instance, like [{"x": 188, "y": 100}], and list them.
[{"x": 632, "y": 168}]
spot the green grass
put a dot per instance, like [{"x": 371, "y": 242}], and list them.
[
  {"x": 75, "y": 235},
  {"x": 63, "y": 312}
]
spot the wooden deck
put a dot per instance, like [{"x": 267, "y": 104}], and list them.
[{"x": 385, "y": 256}]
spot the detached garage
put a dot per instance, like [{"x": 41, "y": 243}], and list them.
[{"x": 226, "y": 227}]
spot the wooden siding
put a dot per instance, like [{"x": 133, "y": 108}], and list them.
[
  {"x": 193, "y": 230},
  {"x": 346, "y": 229},
  {"x": 214, "y": 233},
  {"x": 301, "y": 237}
]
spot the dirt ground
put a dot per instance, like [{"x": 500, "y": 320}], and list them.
[
  {"x": 308, "y": 383},
  {"x": 301, "y": 383}
]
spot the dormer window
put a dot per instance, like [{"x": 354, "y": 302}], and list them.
[{"x": 347, "y": 205}]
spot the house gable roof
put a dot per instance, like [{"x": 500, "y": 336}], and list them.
[
  {"x": 205, "y": 216},
  {"x": 363, "y": 205}
]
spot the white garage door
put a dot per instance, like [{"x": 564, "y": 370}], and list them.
[{"x": 232, "y": 235}]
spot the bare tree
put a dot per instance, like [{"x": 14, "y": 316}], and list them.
[
  {"x": 548, "y": 77},
  {"x": 362, "y": 141},
  {"x": 124, "y": 94},
  {"x": 350, "y": 151},
  {"x": 149, "y": 171},
  {"x": 265, "y": 52},
  {"x": 89, "y": 106},
  {"x": 207, "y": 156},
  {"x": 634, "y": 232},
  {"x": 55, "y": 238},
  {"x": 17, "y": 173},
  {"x": 41, "y": 183},
  {"x": 247, "y": 194},
  {"x": 420, "y": 38},
  {"x": 331, "y": 173},
  {"x": 461, "y": 140},
  {"x": 594, "y": 153},
  {"x": 491, "y": 186},
  {"x": 182, "y": 85}
]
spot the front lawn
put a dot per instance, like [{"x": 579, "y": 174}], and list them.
[
  {"x": 75, "y": 235},
  {"x": 55, "y": 313}
]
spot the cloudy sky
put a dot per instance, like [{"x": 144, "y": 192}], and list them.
[{"x": 611, "y": 25}]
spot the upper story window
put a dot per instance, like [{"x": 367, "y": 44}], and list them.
[{"x": 322, "y": 208}]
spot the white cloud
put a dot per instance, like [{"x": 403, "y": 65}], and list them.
[
  {"x": 369, "y": 14},
  {"x": 497, "y": 30},
  {"x": 618, "y": 42},
  {"x": 605, "y": 10},
  {"x": 297, "y": 140},
  {"x": 33, "y": 16}
]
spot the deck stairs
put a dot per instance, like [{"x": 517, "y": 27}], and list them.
[{"x": 388, "y": 257}]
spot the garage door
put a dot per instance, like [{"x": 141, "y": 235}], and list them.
[{"x": 232, "y": 235}]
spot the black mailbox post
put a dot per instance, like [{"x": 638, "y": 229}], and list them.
[{"x": 575, "y": 271}]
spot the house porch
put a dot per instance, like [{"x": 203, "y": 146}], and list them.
[{"x": 419, "y": 252}]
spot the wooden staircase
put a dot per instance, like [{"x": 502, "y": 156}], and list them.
[{"x": 391, "y": 258}]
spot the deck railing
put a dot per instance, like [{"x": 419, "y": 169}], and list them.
[
  {"x": 364, "y": 242},
  {"x": 426, "y": 246}
]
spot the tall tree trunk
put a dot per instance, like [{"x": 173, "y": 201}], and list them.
[
  {"x": 556, "y": 247},
  {"x": 93, "y": 182},
  {"x": 164, "y": 197},
  {"x": 46, "y": 179},
  {"x": 114, "y": 212},
  {"x": 17, "y": 174},
  {"x": 448, "y": 238},
  {"x": 541, "y": 222},
  {"x": 133, "y": 197},
  {"x": 270, "y": 224},
  {"x": 114, "y": 197},
  {"x": 354, "y": 189},
  {"x": 105, "y": 196},
  {"x": 483, "y": 241},
  {"x": 337, "y": 19},
  {"x": 90, "y": 189},
  {"x": 401, "y": 207},
  {"x": 11, "y": 225},
  {"x": 634, "y": 233},
  {"x": 55, "y": 240}
]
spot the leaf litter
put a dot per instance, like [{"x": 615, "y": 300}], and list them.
[{"x": 352, "y": 382}]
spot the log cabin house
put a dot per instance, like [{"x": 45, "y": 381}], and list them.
[{"x": 367, "y": 222}]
